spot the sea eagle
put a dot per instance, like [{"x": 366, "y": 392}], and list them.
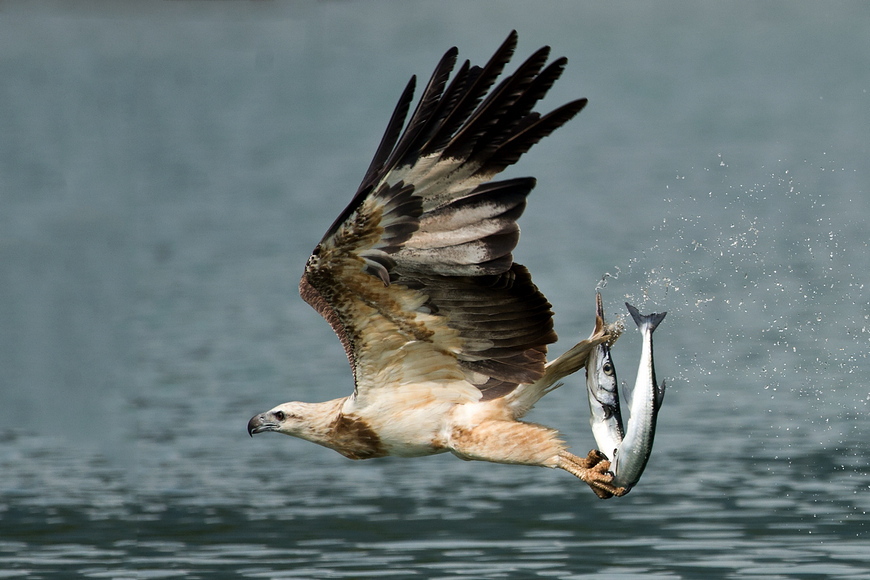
[{"x": 446, "y": 336}]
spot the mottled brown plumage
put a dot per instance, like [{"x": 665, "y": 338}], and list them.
[{"x": 446, "y": 335}]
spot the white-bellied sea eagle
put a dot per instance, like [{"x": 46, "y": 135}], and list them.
[{"x": 446, "y": 336}]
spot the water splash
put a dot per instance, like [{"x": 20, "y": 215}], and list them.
[
  {"x": 771, "y": 274},
  {"x": 603, "y": 282}
]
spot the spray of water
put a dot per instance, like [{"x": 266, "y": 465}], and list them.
[{"x": 765, "y": 284}]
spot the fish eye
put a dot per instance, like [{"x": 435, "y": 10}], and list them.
[
  {"x": 607, "y": 368},
  {"x": 280, "y": 416}
]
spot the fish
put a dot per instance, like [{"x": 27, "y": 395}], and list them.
[
  {"x": 602, "y": 388},
  {"x": 646, "y": 400}
]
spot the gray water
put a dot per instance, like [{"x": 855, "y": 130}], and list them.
[{"x": 165, "y": 169}]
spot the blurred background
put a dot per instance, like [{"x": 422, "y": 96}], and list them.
[{"x": 166, "y": 169}]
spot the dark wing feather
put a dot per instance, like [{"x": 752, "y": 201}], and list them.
[
  {"x": 478, "y": 83},
  {"x": 416, "y": 276}
]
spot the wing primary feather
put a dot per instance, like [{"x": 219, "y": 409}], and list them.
[
  {"x": 391, "y": 135},
  {"x": 520, "y": 114},
  {"x": 493, "y": 109},
  {"x": 424, "y": 113},
  {"x": 424, "y": 145},
  {"x": 514, "y": 148},
  {"x": 375, "y": 170},
  {"x": 480, "y": 81}
]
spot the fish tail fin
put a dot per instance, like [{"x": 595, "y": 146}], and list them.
[
  {"x": 599, "y": 310},
  {"x": 650, "y": 321}
]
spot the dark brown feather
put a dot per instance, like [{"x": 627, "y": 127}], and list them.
[{"x": 517, "y": 338}]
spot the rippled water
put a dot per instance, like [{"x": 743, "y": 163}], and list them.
[{"x": 165, "y": 171}]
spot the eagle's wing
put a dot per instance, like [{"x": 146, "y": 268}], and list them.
[{"x": 416, "y": 275}]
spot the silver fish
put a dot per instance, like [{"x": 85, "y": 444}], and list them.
[
  {"x": 646, "y": 400},
  {"x": 601, "y": 387}
]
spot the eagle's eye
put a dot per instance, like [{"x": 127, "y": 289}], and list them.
[{"x": 280, "y": 416}]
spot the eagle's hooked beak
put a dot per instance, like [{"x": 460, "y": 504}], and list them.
[{"x": 260, "y": 423}]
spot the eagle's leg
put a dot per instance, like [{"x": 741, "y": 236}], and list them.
[
  {"x": 593, "y": 469},
  {"x": 529, "y": 444}
]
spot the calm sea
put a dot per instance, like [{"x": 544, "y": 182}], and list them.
[{"x": 165, "y": 169}]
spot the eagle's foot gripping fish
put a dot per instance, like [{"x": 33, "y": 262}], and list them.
[
  {"x": 629, "y": 449},
  {"x": 594, "y": 469}
]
